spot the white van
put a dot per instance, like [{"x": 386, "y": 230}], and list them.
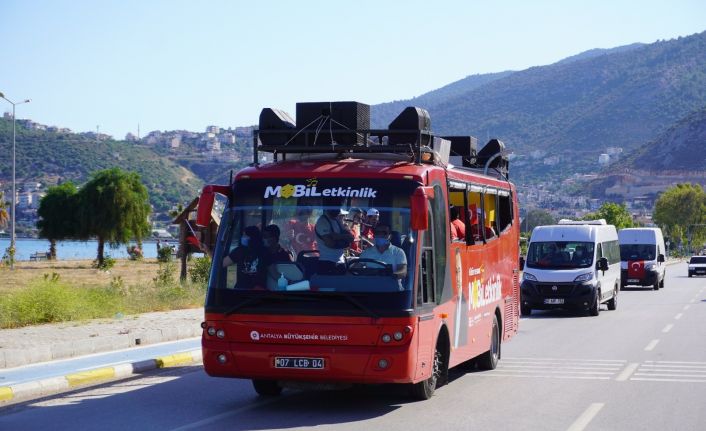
[
  {"x": 574, "y": 264},
  {"x": 642, "y": 255}
]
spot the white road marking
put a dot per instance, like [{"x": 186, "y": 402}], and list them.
[
  {"x": 563, "y": 360},
  {"x": 675, "y": 366},
  {"x": 227, "y": 414},
  {"x": 550, "y": 367},
  {"x": 676, "y": 362},
  {"x": 678, "y": 316},
  {"x": 627, "y": 372},
  {"x": 543, "y": 376},
  {"x": 668, "y": 328},
  {"x": 586, "y": 417},
  {"x": 678, "y": 375},
  {"x": 652, "y": 345},
  {"x": 667, "y": 380},
  {"x": 692, "y": 301},
  {"x": 686, "y": 307}
]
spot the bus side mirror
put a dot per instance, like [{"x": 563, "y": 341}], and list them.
[
  {"x": 660, "y": 258},
  {"x": 603, "y": 264},
  {"x": 419, "y": 216},
  {"x": 522, "y": 263},
  {"x": 203, "y": 213}
]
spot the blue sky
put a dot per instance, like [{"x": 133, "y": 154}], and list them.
[{"x": 185, "y": 64}]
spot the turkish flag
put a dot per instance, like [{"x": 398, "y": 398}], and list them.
[{"x": 636, "y": 269}]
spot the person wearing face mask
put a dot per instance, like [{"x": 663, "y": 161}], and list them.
[
  {"x": 249, "y": 260},
  {"x": 386, "y": 252},
  {"x": 332, "y": 238},
  {"x": 274, "y": 252}
]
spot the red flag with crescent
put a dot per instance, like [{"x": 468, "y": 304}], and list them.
[{"x": 636, "y": 269}]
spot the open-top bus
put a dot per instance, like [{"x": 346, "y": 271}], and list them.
[{"x": 301, "y": 323}]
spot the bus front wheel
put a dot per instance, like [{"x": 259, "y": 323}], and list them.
[
  {"x": 425, "y": 389},
  {"x": 266, "y": 388}
]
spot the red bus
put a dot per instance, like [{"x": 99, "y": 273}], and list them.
[{"x": 401, "y": 305}]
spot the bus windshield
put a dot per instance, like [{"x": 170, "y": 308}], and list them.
[
  {"x": 316, "y": 235},
  {"x": 560, "y": 255},
  {"x": 637, "y": 252}
]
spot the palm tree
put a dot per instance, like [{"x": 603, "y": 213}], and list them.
[{"x": 4, "y": 215}]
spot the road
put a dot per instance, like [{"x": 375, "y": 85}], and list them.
[{"x": 642, "y": 366}]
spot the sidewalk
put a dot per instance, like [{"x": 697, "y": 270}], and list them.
[{"x": 42, "y": 343}]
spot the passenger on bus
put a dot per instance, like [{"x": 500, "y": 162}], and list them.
[
  {"x": 300, "y": 231},
  {"x": 373, "y": 217},
  {"x": 458, "y": 227},
  {"x": 355, "y": 220},
  {"x": 332, "y": 239},
  {"x": 386, "y": 252},
  {"x": 248, "y": 258},
  {"x": 477, "y": 224},
  {"x": 274, "y": 251}
]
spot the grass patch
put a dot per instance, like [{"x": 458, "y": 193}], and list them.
[{"x": 50, "y": 299}]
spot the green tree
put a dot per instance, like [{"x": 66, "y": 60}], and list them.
[
  {"x": 536, "y": 217},
  {"x": 678, "y": 209},
  {"x": 58, "y": 215},
  {"x": 4, "y": 215},
  {"x": 115, "y": 209},
  {"x": 615, "y": 214}
]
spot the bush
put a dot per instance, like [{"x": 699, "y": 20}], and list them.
[
  {"x": 200, "y": 270},
  {"x": 108, "y": 262},
  {"x": 165, "y": 254},
  {"x": 134, "y": 252}
]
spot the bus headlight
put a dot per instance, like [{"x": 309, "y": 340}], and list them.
[
  {"x": 386, "y": 338},
  {"x": 397, "y": 336},
  {"x": 529, "y": 277},
  {"x": 220, "y": 333},
  {"x": 211, "y": 331}
]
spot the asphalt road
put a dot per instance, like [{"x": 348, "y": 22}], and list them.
[{"x": 642, "y": 367}]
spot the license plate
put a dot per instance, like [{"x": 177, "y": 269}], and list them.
[
  {"x": 633, "y": 280},
  {"x": 554, "y": 301},
  {"x": 300, "y": 363}
]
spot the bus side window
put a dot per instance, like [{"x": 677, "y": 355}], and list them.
[
  {"x": 504, "y": 212},
  {"x": 425, "y": 291}
]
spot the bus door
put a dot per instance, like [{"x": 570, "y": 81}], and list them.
[{"x": 430, "y": 281}]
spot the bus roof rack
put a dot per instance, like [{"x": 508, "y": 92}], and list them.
[
  {"x": 583, "y": 222},
  {"x": 343, "y": 128}
]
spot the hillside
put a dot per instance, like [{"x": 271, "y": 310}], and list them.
[
  {"x": 574, "y": 110},
  {"x": 50, "y": 157},
  {"x": 682, "y": 147}
]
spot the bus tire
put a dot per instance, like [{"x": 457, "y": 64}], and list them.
[
  {"x": 489, "y": 360},
  {"x": 656, "y": 285},
  {"x": 661, "y": 283},
  {"x": 266, "y": 388},
  {"x": 425, "y": 389}
]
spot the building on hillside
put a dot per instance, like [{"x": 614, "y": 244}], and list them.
[
  {"x": 213, "y": 129},
  {"x": 603, "y": 159},
  {"x": 130, "y": 137},
  {"x": 175, "y": 142}
]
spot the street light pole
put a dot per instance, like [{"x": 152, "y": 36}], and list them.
[{"x": 14, "y": 187}]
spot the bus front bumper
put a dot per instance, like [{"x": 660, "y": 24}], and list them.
[{"x": 309, "y": 363}]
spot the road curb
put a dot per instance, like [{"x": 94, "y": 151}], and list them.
[{"x": 34, "y": 389}]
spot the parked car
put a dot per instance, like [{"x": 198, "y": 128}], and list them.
[{"x": 697, "y": 265}]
